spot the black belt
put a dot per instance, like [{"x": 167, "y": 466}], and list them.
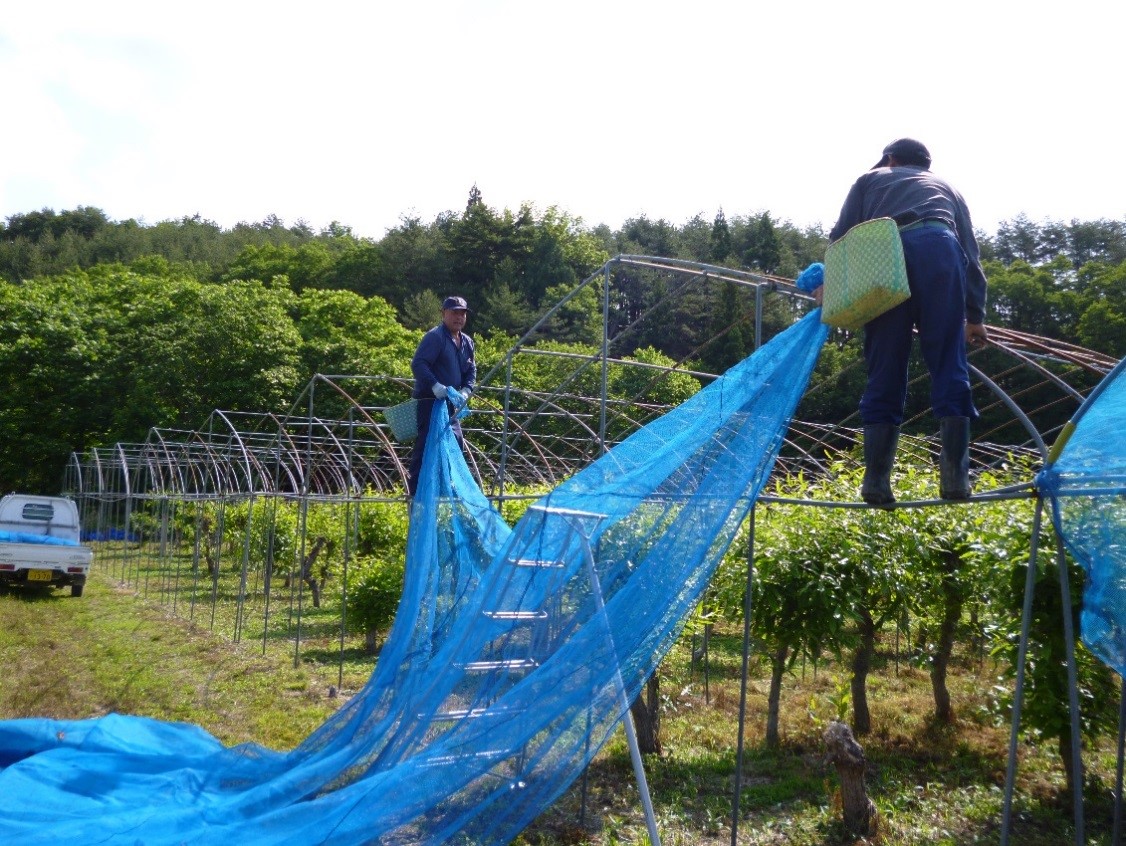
[{"x": 921, "y": 224}]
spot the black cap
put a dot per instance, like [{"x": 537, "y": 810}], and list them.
[
  {"x": 907, "y": 151},
  {"x": 455, "y": 304}
]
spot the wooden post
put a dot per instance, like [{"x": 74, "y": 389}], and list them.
[{"x": 842, "y": 750}]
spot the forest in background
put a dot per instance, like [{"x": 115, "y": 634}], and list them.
[{"x": 109, "y": 328}]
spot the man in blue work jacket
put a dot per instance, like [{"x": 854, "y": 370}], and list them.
[
  {"x": 947, "y": 307},
  {"x": 445, "y": 358}
]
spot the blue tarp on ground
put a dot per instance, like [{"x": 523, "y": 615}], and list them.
[{"x": 509, "y": 664}]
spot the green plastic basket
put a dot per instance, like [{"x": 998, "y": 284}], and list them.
[
  {"x": 402, "y": 420},
  {"x": 865, "y": 274}
]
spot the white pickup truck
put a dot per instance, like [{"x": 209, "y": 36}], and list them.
[{"x": 41, "y": 543}]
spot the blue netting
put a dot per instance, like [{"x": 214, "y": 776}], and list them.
[
  {"x": 513, "y": 655},
  {"x": 33, "y": 537},
  {"x": 1087, "y": 485}
]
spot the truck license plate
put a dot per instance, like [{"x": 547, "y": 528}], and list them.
[{"x": 40, "y": 575}]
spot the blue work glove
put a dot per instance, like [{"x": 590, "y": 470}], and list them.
[
  {"x": 460, "y": 401},
  {"x": 812, "y": 278},
  {"x": 440, "y": 390}
]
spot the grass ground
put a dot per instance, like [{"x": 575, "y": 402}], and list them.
[{"x": 111, "y": 651}]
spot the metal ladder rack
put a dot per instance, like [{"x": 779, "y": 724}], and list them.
[
  {"x": 583, "y": 524},
  {"x": 579, "y": 526}
]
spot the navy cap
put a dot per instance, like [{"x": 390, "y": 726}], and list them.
[
  {"x": 907, "y": 151},
  {"x": 455, "y": 303}
]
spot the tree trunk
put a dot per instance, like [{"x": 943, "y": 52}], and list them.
[
  {"x": 268, "y": 573},
  {"x": 212, "y": 561},
  {"x": 646, "y": 711},
  {"x": 1064, "y": 741},
  {"x": 951, "y": 614},
  {"x": 307, "y": 570},
  {"x": 842, "y": 750},
  {"x": 777, "y": 670},
  {"x": 861, "y": 665}
]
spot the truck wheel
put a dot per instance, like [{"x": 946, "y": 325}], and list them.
[{"x": 76, "y": 590}]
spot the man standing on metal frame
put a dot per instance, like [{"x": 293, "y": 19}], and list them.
[
  {"x": 947, "y": 306},
  {"x": 445, "y": 358}
]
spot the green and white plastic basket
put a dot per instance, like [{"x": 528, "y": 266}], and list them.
[
  {"x": 401, "y": 418},
  {"x": 865, "y": 274}
]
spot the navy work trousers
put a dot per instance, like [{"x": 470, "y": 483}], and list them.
[{"x": 936, "y": 274}]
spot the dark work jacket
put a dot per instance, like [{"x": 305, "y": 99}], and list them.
[
  {"x": 439, "y": 360},
  {"x": 909, "y": 194}
]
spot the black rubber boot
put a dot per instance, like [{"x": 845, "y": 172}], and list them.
[
  {"x": 880, "y": 440},
  {"x": 954, "y": 461}
]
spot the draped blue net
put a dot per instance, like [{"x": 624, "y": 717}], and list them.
[
  {"x": 1086, "y": 483},
  {"x": 514, "y": 653}
]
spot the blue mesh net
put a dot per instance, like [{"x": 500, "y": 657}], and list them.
[
  {"x": 32, "y": 537},
  {"x": 513, "y": 655},
  {"x": 1087, "y": 485}
]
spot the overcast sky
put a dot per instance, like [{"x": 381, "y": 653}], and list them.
[{"x": 367, "y": 112}]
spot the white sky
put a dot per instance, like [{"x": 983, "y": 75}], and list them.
[{"x": 364, "y": 112}]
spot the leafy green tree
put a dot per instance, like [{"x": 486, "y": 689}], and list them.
[
  {"x": 799, "y": 247},
  {"x": 1103, "y": 328},
  {"x": 1023, "y": 297},
  {"x": 1045, "y": 710},
  {"x": 313, "y": 266},
  {"x": 728, "y": 344},
  {"x": 336, "y": 229},
  {"x": 187, "y": 348},
  {"x": 827, "y": 580},
  {"x": 272, "y": 534},
  {"x": 1097, "y": 241},
  {"x": 579, "y": 320},
  {"x": 51, "y": 352},
  {"x": 307, "y": 266},
  {"x": 761, "y": 249},
  {"x": 694, "y": 240},
  {"x": 373, "y": 596},
  {"x": 876, "y": 586},
  {"x": 506, "y": 309},
  {"x": 190, "y": 241},
  {"x": 795, "y": 607},
  {"x": 343, "y": 333},
  {"x": 556, "y": 257},
  {"x": 357, "y": 269},
  {"x": 660, "y": 383},
  {"x": 720, "y": 238},
  {"x": 646, "y": 237},
  {"x": 478, "y": 242},
  {"x": 1102, "y": 325},
  {"x": 1019, "y": 239},
  {"x": 633, "y": 292},
  {"x": 376, "y": 580},
  {"x": 423, "y": 310},
  {"x": 415, "y": 257},
  {"x": 84, "y": 221},
  {"x": 957, "y": 554},
  {"x": 114, "y": 353},
  {"x": 20, "y": 259},
  {"x": 837, "y": 382}
]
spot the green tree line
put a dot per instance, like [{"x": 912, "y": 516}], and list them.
[{"x": 109, "y": 328}]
